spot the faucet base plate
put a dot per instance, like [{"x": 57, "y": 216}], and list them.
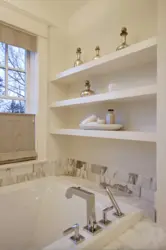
[
  {"x": 78, "y": 240},
  {"x": 93, "y": 232},
  {"x": 105, "y": 222},
  {"x": 118, "y": 215}
]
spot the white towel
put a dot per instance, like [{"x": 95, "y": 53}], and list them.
[{"x": 92, "y": 118}]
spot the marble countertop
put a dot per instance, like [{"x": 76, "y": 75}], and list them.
[
  {"x": 98, "y": 241},
  {"x": 144, "y": 235}
]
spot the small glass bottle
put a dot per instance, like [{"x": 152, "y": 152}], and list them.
[
  {"x": 110, "y": 116},
  {"x": 123, "y": 34},
  {"x": 78, "y": 60},
  {"x": 97, "y": 56}
]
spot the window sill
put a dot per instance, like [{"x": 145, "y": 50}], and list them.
[{"x": 23, "y": 164}]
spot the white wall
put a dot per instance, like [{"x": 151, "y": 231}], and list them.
[
  {"x": 161, "y": 118},
  {"x": 99, "y": 23},
  {"x": 42, "y": 98},
  {"x": 58, "y": 40},
  {"x": 54, "y": 12},
  {"x": 21, "y": 20}
]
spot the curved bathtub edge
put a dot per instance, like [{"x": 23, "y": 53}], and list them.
[{"x": 102, "y": 239}]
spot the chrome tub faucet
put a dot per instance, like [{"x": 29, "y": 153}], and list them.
[{"x": 91, "y": 226}]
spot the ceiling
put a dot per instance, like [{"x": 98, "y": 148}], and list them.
[{"x": 56, "y": 12}]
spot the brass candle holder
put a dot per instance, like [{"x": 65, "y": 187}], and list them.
[
  {"x": 87, "y": 91},
  {"x": 123, "y": 34},
  {"x": 97, "y": 50},
  {"x": 78, "y": 60}
]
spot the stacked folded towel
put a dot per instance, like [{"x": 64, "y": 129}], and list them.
[{"x": 93, "y": 119}]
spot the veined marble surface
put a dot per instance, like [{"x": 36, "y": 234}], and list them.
[
  {"x": 145, "y": 206},
  {"x": 144, "y": 235}
]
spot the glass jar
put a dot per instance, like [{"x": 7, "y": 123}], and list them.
[{"x": 110, "y": 116}]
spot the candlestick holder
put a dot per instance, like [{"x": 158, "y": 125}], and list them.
[
  {"x": 97, "y": 50},
  {"x": 123, "y": 34},
  {"x": 78, "y": 60}
]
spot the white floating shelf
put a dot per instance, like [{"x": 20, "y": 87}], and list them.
[
  {"x": 126, "y": 94},
  {"x": 119, "y": 135},
  {"x": 134, "y": 55}
]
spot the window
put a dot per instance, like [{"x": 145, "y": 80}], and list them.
[
  {"x": 18, "y": 77},
  {"x": 14, "y": 70}
]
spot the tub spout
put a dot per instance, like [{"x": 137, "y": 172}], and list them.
[{"x": 90, "y": 204}]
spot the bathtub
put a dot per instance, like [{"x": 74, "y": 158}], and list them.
[{"x": 34, "y": 214}]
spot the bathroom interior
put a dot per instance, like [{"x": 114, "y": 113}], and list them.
[{"x": 82, "y": 111}]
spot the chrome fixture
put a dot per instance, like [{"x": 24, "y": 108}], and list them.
[
  {"x": 105, "y": 221},
  {"x": 78, "y": 60},
  {"x": 97, "y": 50},
  {"x": 123, "y": 34},
  {"x": 76, "y": 238},
  {"x": 122, "y": 188},
  {"x": 87, "y": 91},
  {"x": 92, "y": 226},
  {"x": 117, "y": 187},
  {"x": 118, "y": 212}
]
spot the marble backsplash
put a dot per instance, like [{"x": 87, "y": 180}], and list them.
[
  {"x": 26, "y": 171},
  {"x": 131, "y": 183}
]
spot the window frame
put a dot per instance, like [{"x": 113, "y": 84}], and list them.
[{"x": 27, "y": 79}]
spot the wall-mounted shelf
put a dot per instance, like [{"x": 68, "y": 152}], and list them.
[
  {"x": 126, "y": 94},
  {"x": 119, "y": 135},
  {"x": 134, "y": 55}
]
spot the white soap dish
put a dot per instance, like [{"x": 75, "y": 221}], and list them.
[{"x": 96, "y": 126}]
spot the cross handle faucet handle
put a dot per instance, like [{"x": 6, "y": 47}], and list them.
[{"x": 76, "y": 238}]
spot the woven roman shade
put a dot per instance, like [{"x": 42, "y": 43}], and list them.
[
  {"x": 13, "y": 36},
  {"x": 17, "y": 137}
]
